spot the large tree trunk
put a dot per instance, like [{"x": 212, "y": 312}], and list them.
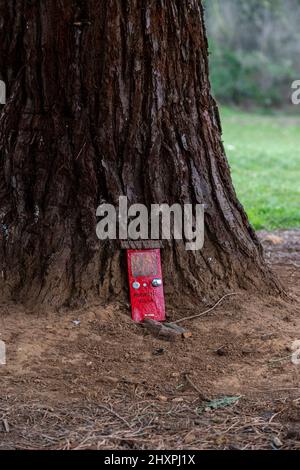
[{"x": 110, "y": 98}]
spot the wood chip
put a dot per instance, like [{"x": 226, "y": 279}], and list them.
[
  {"x": 187, "y": 334},
  {"x": 167, "y": 331},
  {"x": 162, "y": 398}
]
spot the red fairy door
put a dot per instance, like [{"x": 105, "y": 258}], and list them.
[{"x": 146, "y": 285}]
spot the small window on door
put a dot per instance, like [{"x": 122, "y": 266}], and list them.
[{"x": 144, "y": 264}]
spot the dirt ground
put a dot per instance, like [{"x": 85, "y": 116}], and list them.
[{"x": 106, "y": 383}]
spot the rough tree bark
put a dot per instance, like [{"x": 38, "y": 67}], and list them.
[{"x": 110, "y": 98}]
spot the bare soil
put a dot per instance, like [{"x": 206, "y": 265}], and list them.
[{"x": 107, "y": 383}]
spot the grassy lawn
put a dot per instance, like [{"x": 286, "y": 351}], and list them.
[{"x": 264, "y": 155}]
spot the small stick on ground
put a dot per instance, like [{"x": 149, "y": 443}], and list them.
[
  {"x": 116, "y": 415},
  {"x": 203, "y": 313},
  {"x": 191, "y": 383},
  {"x": 280, "y": 359}
]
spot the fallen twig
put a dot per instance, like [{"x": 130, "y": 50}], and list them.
[
  {"x": 116, "y": 415},
  {"x": 294, "y": 264},
  {"x": 280, "y": 359},
  {"x": 203, "y": 313},
  {"x": 201, "y": 395}
]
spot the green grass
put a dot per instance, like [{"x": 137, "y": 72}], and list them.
[{"x": 264, "y": 155}]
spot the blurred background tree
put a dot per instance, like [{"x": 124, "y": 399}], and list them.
[
  {"x": 255, "y": 50},
  {"x": 254, "y": 58}
]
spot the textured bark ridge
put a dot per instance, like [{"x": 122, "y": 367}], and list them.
[{"x": 110, "y": 98}]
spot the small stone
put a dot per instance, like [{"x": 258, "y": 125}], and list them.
[
  {"x": 162, "y": 398},
  {"x": 222, "y": 352},
  {"x": 187, "y": 334},
  {"x": 189, "y": 438},
  {"x": 147, "y": 356},
  {"x": 159, "y": 352},
  {"x": 277, "y": 442}
]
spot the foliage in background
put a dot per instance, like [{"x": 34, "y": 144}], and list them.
[
  {"x": 264, "y": 155},
  {"x": 255, "y": 50}
]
